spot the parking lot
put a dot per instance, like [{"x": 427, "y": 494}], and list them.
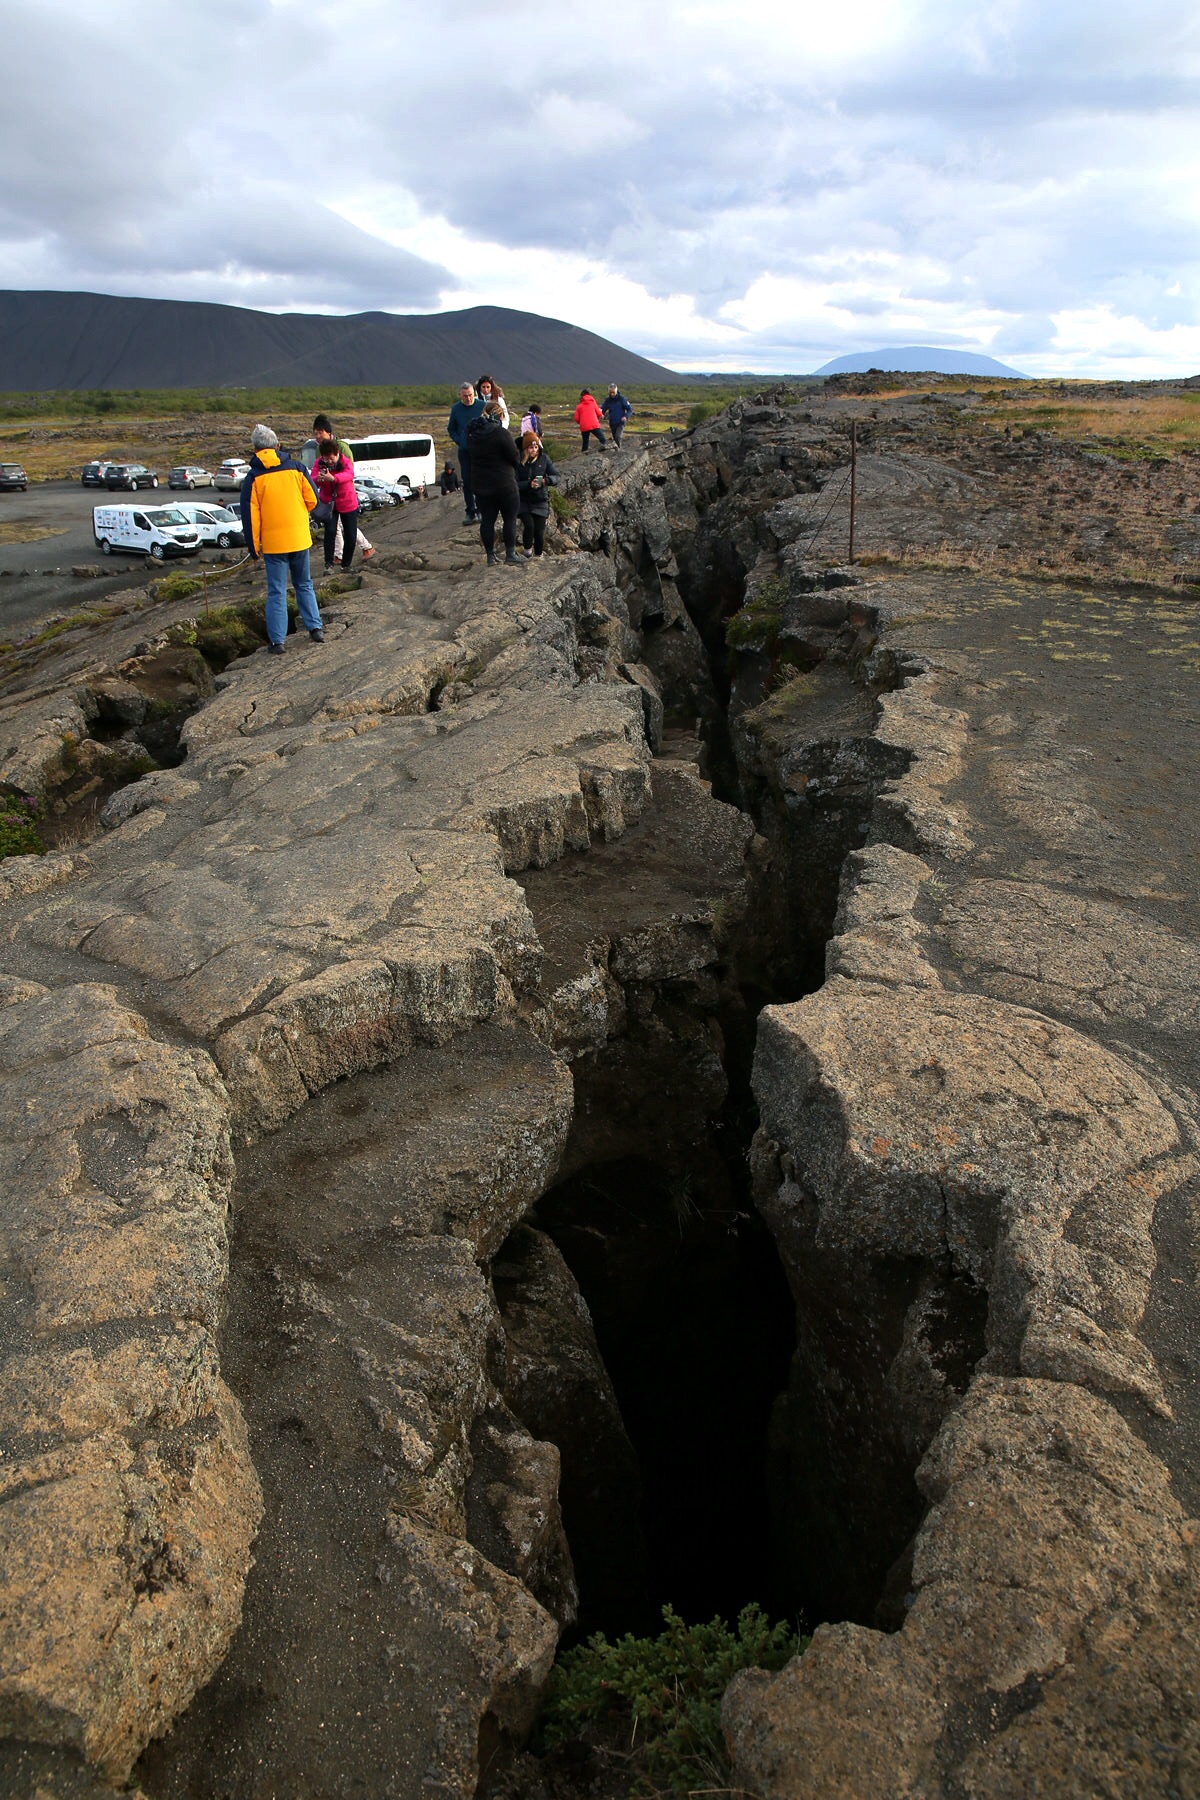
[{"x": 35, "y": 569}]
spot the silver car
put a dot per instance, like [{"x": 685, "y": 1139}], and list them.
[
  {"x": 232, "y": 472},
  {"x": 190, "y": 475}
]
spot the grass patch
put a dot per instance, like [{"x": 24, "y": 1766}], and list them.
[
  {"x": 659, "y": 1698},
  {"x": 14, "y": 532},
  {"x": 72, "y": 621},
  {"x": 178, "y": 587},
  {"x": 755, "y": 626},
  {"x": 561, "y": 505},
  {"x": 224, "y": 633}
]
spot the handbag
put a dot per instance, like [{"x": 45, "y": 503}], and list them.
[{"x": 322, "y": 512}]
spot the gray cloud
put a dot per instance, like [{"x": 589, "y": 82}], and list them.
[{"x": 970, "y": 170}]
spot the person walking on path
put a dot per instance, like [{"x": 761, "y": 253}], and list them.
[
  {"x": 616, "y": 410},
  {"x": 466, "y": 409},
  {"x": 587, "y": 417},
  {"x": 535, "y": 477},
  {"x": 324, "y": 433},
  {"x": 334, "y": 476},
  {"x": 494, "y": 464},
  {"x": 487, "y": 390},
  {"x": 276, "y": 499},
  {"x": 533, "y": 418}
]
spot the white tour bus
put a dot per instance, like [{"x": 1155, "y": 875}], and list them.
[
  {"x": 407, "y": 458},
  {"x": 157, "y": 531}
]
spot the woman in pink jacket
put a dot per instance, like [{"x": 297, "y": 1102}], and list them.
[
  {"x": 587, "y": 417},
  {"x": 334, "y": 476}
]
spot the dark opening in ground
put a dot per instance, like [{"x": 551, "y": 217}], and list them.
[{"x": 694, "y": 1320}]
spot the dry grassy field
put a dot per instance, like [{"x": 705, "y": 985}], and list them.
[{"x": 54, "y": 435}]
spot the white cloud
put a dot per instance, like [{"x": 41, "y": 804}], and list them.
[{"x": 761, "y": 188}]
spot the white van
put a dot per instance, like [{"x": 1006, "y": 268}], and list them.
[
  {"x": 408, "y": 459},
  {"x": 157, "y": 531}
]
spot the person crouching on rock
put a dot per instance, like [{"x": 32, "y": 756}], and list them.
[
  {"x": 276, "y": 499},
  {"x": 334, "y": 476},
  {"x": 495, "y": 460},
  {"x": 587, "y": 417},
  {"x": 535, "y": 477},
  {"x": 450, "y": 481}
]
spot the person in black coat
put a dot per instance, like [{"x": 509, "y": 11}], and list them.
[
  {"x": 535, "y": 477},
  {"x": 495, "y": 460}
]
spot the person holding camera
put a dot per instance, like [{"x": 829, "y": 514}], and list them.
[
  {"x": 334, "y": 475},
  {"x": 535, "y": 477}
]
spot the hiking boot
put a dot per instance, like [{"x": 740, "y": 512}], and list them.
[
  {"x": 368, "y": 554},
  {"x": 276, "y": 649},
  {"x": 491, "y": 559},
  {"x": 317, "y": 636},
  {"x": 510, "y": 556}
]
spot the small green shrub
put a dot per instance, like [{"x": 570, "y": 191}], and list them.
[
  {"x": 705, "y": 409},
  {"x": 561, "y": 505},
  {"x": 18, "y": 827},
  {"x": 663, "y": 1694}
]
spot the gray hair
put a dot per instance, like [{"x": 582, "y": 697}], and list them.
[{"x": 263, "y": 438}]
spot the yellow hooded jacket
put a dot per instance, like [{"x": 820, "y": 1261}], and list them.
[{"x": 279, "y": 501}]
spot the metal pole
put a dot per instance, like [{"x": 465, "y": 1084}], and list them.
[{"x": 853, "y": 473}]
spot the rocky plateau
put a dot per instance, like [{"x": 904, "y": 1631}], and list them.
[{"x": 665, "y": 1073}]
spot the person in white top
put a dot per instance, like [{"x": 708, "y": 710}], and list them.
[{"x": 488, "y": 391}]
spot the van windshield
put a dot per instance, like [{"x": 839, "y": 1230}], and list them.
[{"x": 169, "y": 515}]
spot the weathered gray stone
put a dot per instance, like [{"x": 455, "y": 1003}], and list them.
[
  {"x": 1052, "y": 1526},
  {"x": 1082, "y": 957},
  {"x": 128, "y": 1502}
]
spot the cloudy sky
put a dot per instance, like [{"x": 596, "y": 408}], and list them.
[{"x": 760, "y": 186}]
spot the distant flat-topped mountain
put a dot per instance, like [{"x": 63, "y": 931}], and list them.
[
  {"x": 77, "y": 341},
  {"x": 912, "y": 359}
]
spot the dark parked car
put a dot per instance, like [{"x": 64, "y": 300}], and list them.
[
  {"x": 92, "y": 474},
  {"x": 130, "y": 475},
  {"x": 12, "y": 475}
]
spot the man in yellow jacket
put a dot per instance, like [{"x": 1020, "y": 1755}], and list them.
[{"x": 276, "y": 499}]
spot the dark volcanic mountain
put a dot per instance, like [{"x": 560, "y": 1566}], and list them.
[{"x": 74, "y": 341}]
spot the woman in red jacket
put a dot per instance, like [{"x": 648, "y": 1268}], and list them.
[
  {"x": 587, "y": 417},
  {"x": 334, "y": 476}
]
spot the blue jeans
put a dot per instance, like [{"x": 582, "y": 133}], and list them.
[{"x": 295, "y": 564}]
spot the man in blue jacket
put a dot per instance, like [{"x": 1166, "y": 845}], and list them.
[
  {"x": 465, "y": 409},
  {"x": 616, "y": 409}
]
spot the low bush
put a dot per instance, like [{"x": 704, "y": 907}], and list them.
[
  {"x": 704, "y": 409},
  {"x": 662, "y": 1695},
  {"x": 18, "y": 826}
]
